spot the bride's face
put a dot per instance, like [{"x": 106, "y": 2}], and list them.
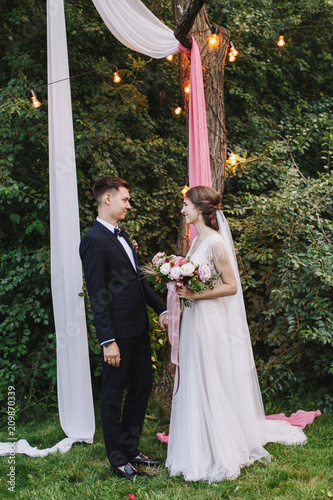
[{"x": 189, "y": 211}]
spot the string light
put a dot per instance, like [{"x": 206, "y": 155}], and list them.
[
  {"x": 116, "y": 77},
  {"x": 35, "y": 101},
  {"x": 233, "y": 52},
  {"x": 170, "y": 57},
  {"x": 187, "y": 89},
  {"x": 281, "y": 41},
  {"x": 213, "y": 30},
  {"x": 213, "y": 39},
  {"x": 178, "y": 110}
]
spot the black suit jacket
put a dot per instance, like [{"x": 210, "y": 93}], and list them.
[{"x": 118, "y": 293}]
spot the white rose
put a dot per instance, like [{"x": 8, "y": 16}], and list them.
[
  {"x": 175, "y": 273},
  {"x": 187, "y": 269},
  {"x": 165, "y": 268}
]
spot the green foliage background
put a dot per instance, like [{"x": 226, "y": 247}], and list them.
[{"x": 278, "y": 199}]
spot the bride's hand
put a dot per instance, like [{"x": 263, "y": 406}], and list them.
[{"x": 185, "y": 293}]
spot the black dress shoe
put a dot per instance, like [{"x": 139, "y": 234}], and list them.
[
  {"x": 129, "y": 472},
  {"x": 142, "y": 459}
]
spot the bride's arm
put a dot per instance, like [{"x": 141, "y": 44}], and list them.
[{"x": 228, "y": 286}]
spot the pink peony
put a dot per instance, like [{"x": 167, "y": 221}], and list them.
[
  {"x": 204, "y": 273},
  {"x": 159, "y": 259},
  {"x": 179, "y": 261},
  {"x": 175, "y": 273}
]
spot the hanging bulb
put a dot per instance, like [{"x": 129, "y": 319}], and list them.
[
  {"x": 213, "y": 39},
  {"x": 35, "y": 101},
  {"x": 116, "y": 77},
  {"x": 187, "y": 89},
  {"x": 281, "y": 41},
  {"x": 231, "y": 157},
  {"x": 178, "y": 110},
  {"x": 185, "y": 188},
  {"x": 170, "y": 57},
  {"x": 233, "y": 52}
]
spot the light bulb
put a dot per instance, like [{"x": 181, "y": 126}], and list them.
[
  {"x": 187, "y": 89},
  {"x": 281, "y": 41},
  {"x": 170, "y": 57},
  {"x": 213, "y": 39},
  {"x": 233, "y": 52},
  {"x": 178, "y": 110},
  {"x": 35, "y": 101},
  {"x": 232, "y": 158},
  {"x": 185, "y": 189},
  {"x": 116, "y": 77}
]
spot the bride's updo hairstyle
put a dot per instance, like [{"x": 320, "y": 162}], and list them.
[{"x": 207, "y": 200}]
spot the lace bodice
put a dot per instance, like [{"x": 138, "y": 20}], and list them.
[{"x": 211, "y": 248}]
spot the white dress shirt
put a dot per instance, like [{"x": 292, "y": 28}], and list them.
[{"x": 122, "y": 240}]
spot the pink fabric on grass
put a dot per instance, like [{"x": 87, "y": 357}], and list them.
[
  {"x": 162, "y": 437},
  {"x": 300, "y": 419}
]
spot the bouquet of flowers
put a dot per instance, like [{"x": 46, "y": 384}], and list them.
[{"x": 165, "y": 268}]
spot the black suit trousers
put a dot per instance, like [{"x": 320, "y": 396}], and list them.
[{"x": 122, "y": 428}]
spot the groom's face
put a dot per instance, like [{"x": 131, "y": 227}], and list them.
[{"x": 119, "y": 203}]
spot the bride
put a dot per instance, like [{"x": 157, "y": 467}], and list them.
[{"x": 217, "y": 422}]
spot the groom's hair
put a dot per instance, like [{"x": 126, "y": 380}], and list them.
[{"x": 108, "y": 183}]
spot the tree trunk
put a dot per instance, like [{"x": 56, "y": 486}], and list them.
[
  {"x": 213, "y": 60},
  {"x": 187, "y": 16}
]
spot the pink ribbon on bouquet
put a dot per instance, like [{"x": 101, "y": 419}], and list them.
[{"x": 173, "y": 306}]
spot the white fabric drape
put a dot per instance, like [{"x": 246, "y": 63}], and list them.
[
  {"x": 136, "y": 27},
  {"x": 73, "y": 374},
  {"x": 75, "y": 401}
]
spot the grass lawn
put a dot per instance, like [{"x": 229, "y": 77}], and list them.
[{"x": 296, "y": 472}]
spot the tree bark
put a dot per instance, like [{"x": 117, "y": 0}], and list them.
[
  {"x": 191, "y": 19},
  {"x": 213, "y": 60},
  {"x": 186, "y": 21}
]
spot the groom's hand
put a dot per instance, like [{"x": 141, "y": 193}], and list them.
[
  {"x": 112, "y": 354},
  {"x": 163, "y": 319}
]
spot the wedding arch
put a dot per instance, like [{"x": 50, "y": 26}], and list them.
[
  {"x": 136, "y": 27},
  {"x": 131, "y": 22}
]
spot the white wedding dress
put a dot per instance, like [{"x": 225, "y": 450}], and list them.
[{"x": 217, "y": 422}]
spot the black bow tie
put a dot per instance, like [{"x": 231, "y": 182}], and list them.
[{"x": 118, "y": 232}]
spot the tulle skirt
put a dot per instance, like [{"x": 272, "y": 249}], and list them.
[{"x": 217, "y": 421}]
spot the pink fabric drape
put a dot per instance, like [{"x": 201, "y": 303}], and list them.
[{"x": 198, "y": 147}]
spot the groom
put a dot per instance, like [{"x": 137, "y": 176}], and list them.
[{"x": 118, "y": 295}]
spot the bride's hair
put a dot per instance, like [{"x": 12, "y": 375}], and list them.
[{"x": 207, "y": 200}]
